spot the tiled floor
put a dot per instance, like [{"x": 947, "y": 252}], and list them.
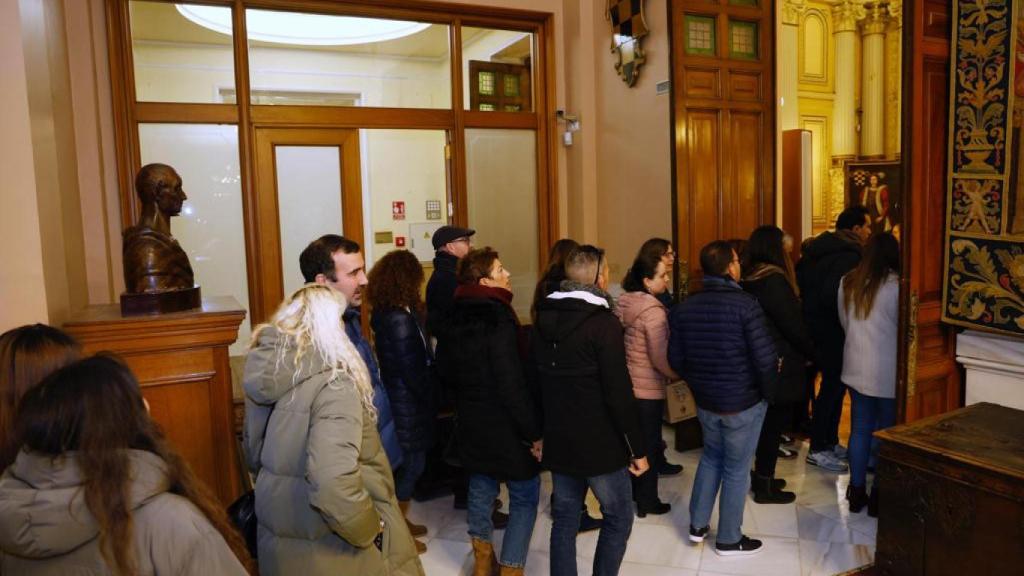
[{"x": 816, "y": 535}]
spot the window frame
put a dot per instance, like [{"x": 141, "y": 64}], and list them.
[{"x": 246, "y": 117}]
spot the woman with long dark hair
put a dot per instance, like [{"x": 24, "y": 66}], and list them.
[
  {"x": 27, "y": 355},
  {"x": 498, "y": 430},
  {"x": 660, "y": 249},
  {"x": 405, "y": 367},
  {"x": 768, "y": 275},
  {"x": 645, "y": 321},
  {"x": 869, "y": 312},
  {"x": 96, "y": 489}
]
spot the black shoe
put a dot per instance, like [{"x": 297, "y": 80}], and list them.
[
  {"x": 656, "y": 509},
  {"x": 667, "y": 469},
  {"x": 777, "y": 483},
  {"x": 857, "y": 497},
  {"x": 499, "y": 519},
  {"x": 764, "y": 494},
  {"x": 873, "y": 501},
  {"x": 744, "y": 547},
  {"x": 460, "y": 502},
  {"x": 698, "y": 536},
  {"x": 785, "y": 439},
  {"x": 588, "y": 523}
]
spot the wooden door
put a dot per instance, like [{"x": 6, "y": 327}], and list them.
[
  {"x": 929, "y": 377},
  {"x": 723, "y": 124},
  {"x": 289, "y": 163}
]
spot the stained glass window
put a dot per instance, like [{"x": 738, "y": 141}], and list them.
[
  {"x": 743, "y": 39},
  {"x": 700, "y": 35}
]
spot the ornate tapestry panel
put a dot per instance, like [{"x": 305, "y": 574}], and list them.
[{"x": 984, "y": 285}]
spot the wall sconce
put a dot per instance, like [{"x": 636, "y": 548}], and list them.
[{"x": 572, "y": 124}]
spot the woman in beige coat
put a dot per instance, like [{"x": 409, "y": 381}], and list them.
[
  {"x": 96, "y": 489},
  {"x": 325, "y": 496}
]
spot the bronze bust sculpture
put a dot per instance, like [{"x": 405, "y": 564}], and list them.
[{"x": 157, "y": 274}]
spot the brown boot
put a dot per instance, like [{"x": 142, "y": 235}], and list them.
[
  {"x": 414, "y": 529},
  {"x": 510, "y": 570},
  {"x": 420, "y": 546},
  {"x": 485, "y": 563}
]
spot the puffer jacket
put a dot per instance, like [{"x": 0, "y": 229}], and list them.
[
  {"x": 47, "y": 529},
  {"x": 497, "y": 412},
  {"x": 385, "y": 419},
  {"x": 323, "y": 482},
  {"x": 591, "y": 425},
  {"x": 721, "y": 346},
  {"x": 405, "y": 368},
  {"x": 645, "y": 321}
]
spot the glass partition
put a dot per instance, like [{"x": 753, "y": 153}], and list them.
[
  {"x": 501, "y": 185},
  {"x": 210, "y": 227},
  {"x": 497, "y": 66},
  {"x": 314, "y": 59},
  {"x": 179, "y": 55}
]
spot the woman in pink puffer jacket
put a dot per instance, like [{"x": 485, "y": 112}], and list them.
[{"x": 645, "y": 321}]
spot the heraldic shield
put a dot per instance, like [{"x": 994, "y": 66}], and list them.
[{"x": 628, "y": 27}]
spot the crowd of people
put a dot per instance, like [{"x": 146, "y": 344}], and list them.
[{"x": 338, "y": 431}]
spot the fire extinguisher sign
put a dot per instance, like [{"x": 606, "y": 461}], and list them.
[{"x": 398, "y": 210}]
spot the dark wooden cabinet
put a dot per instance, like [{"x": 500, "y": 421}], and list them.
[
  {"x": 181, "y": 362},
  {"x": 952, "y": 496}
]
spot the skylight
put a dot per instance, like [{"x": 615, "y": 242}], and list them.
[{"x": 302, "y": 29}]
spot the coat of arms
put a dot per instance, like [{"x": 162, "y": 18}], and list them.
[{"x": 628, "y": 27}]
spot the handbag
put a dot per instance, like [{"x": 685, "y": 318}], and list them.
[{"x": 242, "y": 513}]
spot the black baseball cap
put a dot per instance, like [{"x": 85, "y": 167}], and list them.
[{"x": 446, "y": 234}]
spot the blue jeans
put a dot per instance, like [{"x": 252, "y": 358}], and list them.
[
  {"x": 615, "y": 494},
  {"x": 867, "y": 414},
  {"x": 729, "y": 444},
  {"x": 408, "y": 473},
  {"x": 522, "y": 511}
]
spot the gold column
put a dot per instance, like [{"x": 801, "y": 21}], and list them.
[
  {"x": 893, "y": 79},
  {"x": 872, "y": 97},
  {"x": 788, "y": 63},
  {"x": 846, "y": 14}
]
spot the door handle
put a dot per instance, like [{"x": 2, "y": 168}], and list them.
[{"x": 912, "y": 345}]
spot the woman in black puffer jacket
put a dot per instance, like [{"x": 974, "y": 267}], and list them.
[
  {"x": 405, "y": 366},
  {"x": 768, "y": 275}
]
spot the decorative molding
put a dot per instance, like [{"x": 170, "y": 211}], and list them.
[
  {"x": 812, "y": 16},
  {"x": 792, "y": 10},
  {"x": 895, "y": 8},
  {"x": 876, "y": 20},
  {"x": 847, "y": 14}
]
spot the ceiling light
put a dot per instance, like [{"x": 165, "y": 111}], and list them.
[{"x": 303, "y": 29}]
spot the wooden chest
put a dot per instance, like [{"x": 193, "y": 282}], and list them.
[{"x": 952, "y": 496}]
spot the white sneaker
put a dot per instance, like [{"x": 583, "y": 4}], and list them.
[
  {"x": 827, "y": 460},
  {"x": 840, "y": 451}
]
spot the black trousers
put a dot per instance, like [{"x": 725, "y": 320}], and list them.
[
  {"x": 828, "y": 409},
  {"x": 767, "y": 453},
  {"x": 645, "y": 486}
]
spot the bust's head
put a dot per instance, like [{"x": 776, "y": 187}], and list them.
[{"x": 159, "y": 184}]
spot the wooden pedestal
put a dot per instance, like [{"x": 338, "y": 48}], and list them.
[
  {"x": 181, "y": 362},
  {"x": 952, "y": 494}
]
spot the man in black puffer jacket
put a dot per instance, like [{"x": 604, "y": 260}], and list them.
[
  {"x": 721, "y": 346},
  {"x": 591, "y": 428},
  {"x": 822, "y": 265}
]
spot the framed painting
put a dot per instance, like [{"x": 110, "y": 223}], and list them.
[{"x": 877, "y": 187}]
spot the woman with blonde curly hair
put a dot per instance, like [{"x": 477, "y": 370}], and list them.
[
  {"x": 405, "y": 366},
  {"x": 324, "y": 491}
]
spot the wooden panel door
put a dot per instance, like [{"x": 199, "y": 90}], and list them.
[
  {"x": 929, "y": 378},
  {"x": 341, "y": 147},
  {"x": 724, "y": 124}
]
